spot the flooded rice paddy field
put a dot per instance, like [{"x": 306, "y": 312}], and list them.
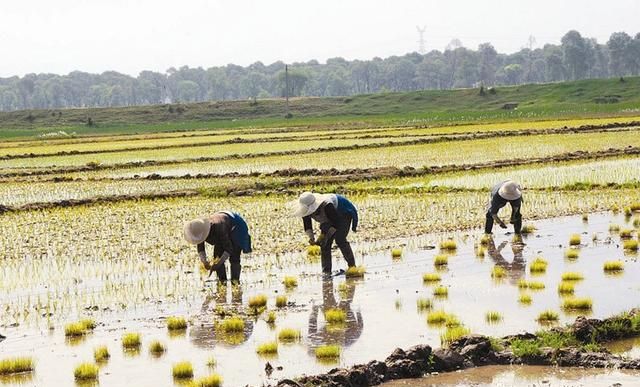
[{"x": 381, "y": 311}]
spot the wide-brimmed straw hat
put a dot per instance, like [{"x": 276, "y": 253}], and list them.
[
  {"x": 307, "y": 204},
  {"x": 197, "y": 230},
  {"x": 510, "y": 190}
]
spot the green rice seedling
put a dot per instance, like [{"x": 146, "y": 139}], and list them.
[
  {"x": 398, "y": 304},
  {"x": 335, "y": 316},
  {"x": 548, "y": 316},
  {"x": 498, "y": 272},
  {"x": 585, "y": 217},
  {"x": 448, "y": 245},
  {"x": 313, "y": 251},
  {"x": 626, "y": 233},
  {"x": 440, "y": 291},
  {"x": 131, "y": 340},
  {"x": 452, "y": 334},
  {"x": 175, "y": 323},
  {"x": 437, "y": 317},
  {"x": 258, "y": 301},
  {"x": 614, "y": 228},
  {"x": 566, "y": 288},
  {"x": 424, "y": 304},
  {"x": 635, "y": 207},
  {"x": 630, "y": 245},
  {"x": 636, "y": 223},
  {"x": 328, "y": 352},
  {"x": 232, "y": 324},
  {"x": 281, "y": 301},
  {"x": 481, "y": 252},
  {"x": 289, "y": 335},
  {"x": 613, "y": 266},
  {"x": 525, "y": 299},
  {"x": 85, "y": 372},
  {"x": 493, "y": 317},
  {"x": 572, "y": 253},
  {"x": 271, "y": 317},
  {"x": 213, "y": 380},
  {"x": 290, "y": 282},
  {"x": 517, "y": 238},
  {"x": 452, "y": 321},
  {"x": 88, "y": 323},
  {"x": 528, "y": 229},
  {"x": 628, "y": 212},
  {"x": 538, "y": 266},
  {"x": 572, "y": 276},
  {"x": 577, "y": 304},
  {"x": 182, "y": 370},
  {"x": 101, "y": 354},
  {"x": 16, "y": 365},
  {"x": 431, "y": 277},
  {"x": 156, "y": 348},
  {"x": 396, "y": 253},
  {"x": 211, "y": 362},
  {"x": 533, "y": 285},
  {"x": 615, "y": 209},
  {"x": 575, "y": 240},
  {"x": 485, "y": 239},
  {"x": 269, "y": 348},
  {"x": 75, "y": 329},
  {"x": 355, "y": 272},
  {"x": 441, "y": 260}
]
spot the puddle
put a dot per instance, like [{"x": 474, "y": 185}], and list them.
[{"x": 381, "y": 312}]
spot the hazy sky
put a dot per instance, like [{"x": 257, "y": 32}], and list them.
[{"x": 60, "y": 36}]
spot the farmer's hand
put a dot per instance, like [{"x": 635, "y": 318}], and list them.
[
  {"x": 312, "y": 239},
  {"x": 203, "y": 259}
]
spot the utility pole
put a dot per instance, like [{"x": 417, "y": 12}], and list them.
[
  {"x": 286, "y": 93},
  {"x": 422, "y": 48}
]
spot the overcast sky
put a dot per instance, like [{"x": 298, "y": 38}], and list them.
[{"x": 59, "y": 36}]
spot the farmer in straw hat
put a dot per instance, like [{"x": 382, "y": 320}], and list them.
[
  {"x": 229, "y": 235},
  {"x": 502, "y": 193},
  {"x": 336, "y": 215}
]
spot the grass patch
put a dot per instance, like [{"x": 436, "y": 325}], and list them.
[
  {"x": 431, "y": 277},
  {"x": 575, "y": 240},
  {"x": 493, "y": 317},
  {"x": 572, "y": 276},
  {"x": 182, "y": 370},
  {"x": 548, "y": 316},
  {"x": 396, "y": 253},
  {"x": 538, "y": 266},
  {"x": 525, "y": 348},
  {"x": 269, "y": 348},
  {"x": 290, "y": 282},
  {"x": 258, "y": 301},
  {"x": 424, "y": 304},
  {"x": 613, "y": 266},
  {"x": 335, "y": 316},
  {"x": 232, "y": 324},
  {"x": 289, "y": 335},
  {"x": 452, "y": 334},
  {"x": 101, "y": 354},
  {"x": 175, "y": 323},
  {"x": 577, "y": 304},
  {"x": 281, "y": 301},
  {"x": 448, "y": 245},
  {"x": 86, "y": 371},
  {"x": 328, "y": 352},
  {"x": 131, "y": 340},
  {"x": 157, "y": 348},
  {"x": 213, "y": 380},
  {"x": 355, "y": 272},
  {"x": 441, "y": 260},
  {"x": 441, "y": 291},
  {"x": 16, "y": 365},
  {"x": 498, "y": 272},
  {"x": 566, "y": 288}
]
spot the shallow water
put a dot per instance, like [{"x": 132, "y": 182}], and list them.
[{"x": 381, "y": 309}]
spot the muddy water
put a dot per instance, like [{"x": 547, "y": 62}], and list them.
[
  {"x": 530, "y": 376},
  {"x": 381, "y": 309}
]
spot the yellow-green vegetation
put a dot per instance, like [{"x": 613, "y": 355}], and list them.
[
  {"x": 485, "y": 239},
  {"x": 614, "y": 228},
  {"x": 271, "y": 317},
  {"x": 268, "y": 348},
  {"x": 424, "y": 304},
  {"x": 572, "y": 303},
  {"x": 634, "y": 207},
  {"x": 88, "y": 323},
  {"x": 290, "y": 282},
  {"x": 525, "y": 299},
  {"x": 431, "y": 277},
  {"x": 355, "y": 272},
  {"x": 613, "y": 266},
  {"x": 131, "y": 340},
  {"x": 289, "y": 335},
  {"x": 572, "y": 253},
  {"x": 493, "y": 317},
  {"x": 211, "y": 362},
  {"x": 481, "y": 252},
  {"x": 538, "y": 266},
  {"x": 213, "y": 380},
  {"x": 86, "y": 371},
  {"x": 572, "y": 276},
  {"x": 396, "y": 253},
  {"x": 498, "y": 272},
  {"x": 182, "y": 370},
  {"x": 258, "y": 301},
  {"x": 448, "y": 245},
  {"x": 548, "y": 316},
  {"x": 566, "y": 288},
  {"x": 452, "y": 334},
  {"x": 441, "y": 291},
  {"x": 335, "y": 316},
  {"x": 175, "y": 323},
  {"x": 532, "y": 285},
  {"x": 16, "y": 365},
  {"x": 452, "y": 321},
  {"x": 281, "y": 301},
  {"x": 79, "y": 328},
  {"x": 328, "y": 352},
  {"x": 437, "y": 317},
  {"x": 101, "y": 354},
  {"x": 528, "y": 229},
  {"x": 441, "y": 260},
  {"x": 313, "y": 251},
  {"x": 575, "y": 240},
  {"x": 626, "y": 233},
  {"x": 232, "y": 324},
  {"x": 630, "y": 244},
  {"x": 585, "y": 217},
  {"x": 157, "y": 348}
]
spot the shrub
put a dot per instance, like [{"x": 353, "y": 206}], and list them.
[
  {"x": 525, "y": 348},
  {"x": 86, "y": 371},
  {"x": 613, "y": 228},
  {"x": 182, "y": 370}
]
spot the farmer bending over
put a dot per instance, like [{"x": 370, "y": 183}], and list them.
[
  {"x": 229, "y": 235},
  {"x": 502, "y": 193},
  {"x": 336, "y": 215}
]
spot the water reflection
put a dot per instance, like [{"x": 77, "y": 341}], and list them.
[{"x": 516, "y": 268}]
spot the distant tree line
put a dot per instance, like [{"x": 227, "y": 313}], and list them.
[{"x": 457, "y": 67}]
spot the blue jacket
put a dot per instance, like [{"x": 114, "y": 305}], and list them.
[
  {"x": 240, "y": 232},
  {"x": 345, "y": 206}
]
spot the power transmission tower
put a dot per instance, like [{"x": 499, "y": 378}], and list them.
[{"x": 422, "y": 47}]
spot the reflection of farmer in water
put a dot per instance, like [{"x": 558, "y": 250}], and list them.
[
  {"x": 344, "y": 336},
  {"x": 204, "y": 335},
  {"x": 515, "y": 268}
]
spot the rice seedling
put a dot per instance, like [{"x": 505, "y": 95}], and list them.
[
  {"x": 398, "y": 304},
  {"x": 281, "y": 301},
  {"x": 88, "y": 323},
  {"x": 566, "y": 288},
  {"x": 533, "y": 285},
  {"x": 175, "y": 323},
  {"x": 452, "y": 321},
  {"x": 101, "y": 354},
  {"x": 630, "y": 245},
  {"x": 396, "y": 253},
  {"x": 182, "y": 370},
  {"x": 258, "y": 301},
  {"x": 86, "y": 371},
  {"x": 156, "y": 348},
  {"x": 431, "y": 277},
  {"x": 452, "y": 334},
  {"x": 211, "y": 362},
  {"x": 16, "y": 365},
  {"x": 614, "y": 228},
  {"x": 572, "y": 253},
  {"x": 441, "y": 260},
  {"x": 575, "y": 240},
  {"x": 440, "y": 291},
  {"x": 289, "y": 335},
  {"x": 635, "y": 207},
  {"x": 498, "y": 272},
  {"x": 448, "y": 245},
  {"x": 626, "y": 233},
  {"x": 493, "y": 317},
  {"x": 437, "y": 317},
  {"x": 481, "y": 252},
  {"x": 424, "y": 304},
  {"x": 538, "y": 266},
  {"x": 585, "y": 217},
  {"x": 485, "y": 239},
  {"x": 213, "y": 380},
  {"x": 355, "y": 272},
  {"x": 547, "y": 316},
  {"x": 269, "y": 348},
  {"x": 628, "y": 212},
  {"x": 131, "y": 340},
  {"x": 335, "y": 316},
  {"x": 232, "y": 324},
  {"x": 577, "y": 304},
  {"x": 271, "y": 317},
  {"x": 613, "y": 266},
  {"x": 528, "y": 229},
  {"x": 75, "y": 329},
  {"x": 328, "y": 352},
  {"x": 290, "y": 282},
  {"x": 572, "y": 276},
  {"x": 313, "y": 251},
  {"x": 636, "y": 223},
  {"x": 525, "y": 299}
]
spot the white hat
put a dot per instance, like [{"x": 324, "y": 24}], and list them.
[
  {"x": 307, "y": 204},
  {"x": 197, "y": 230},
  {"x": 510, "y": 190}
]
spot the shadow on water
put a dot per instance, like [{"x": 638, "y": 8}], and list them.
[{"x": 516, "y": 268}]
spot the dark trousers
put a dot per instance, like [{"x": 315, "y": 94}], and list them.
[
  {"x": 516, "y": 218},
  {"x": 340, "y": 237},
  {"x": 234, "y": 262}
]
